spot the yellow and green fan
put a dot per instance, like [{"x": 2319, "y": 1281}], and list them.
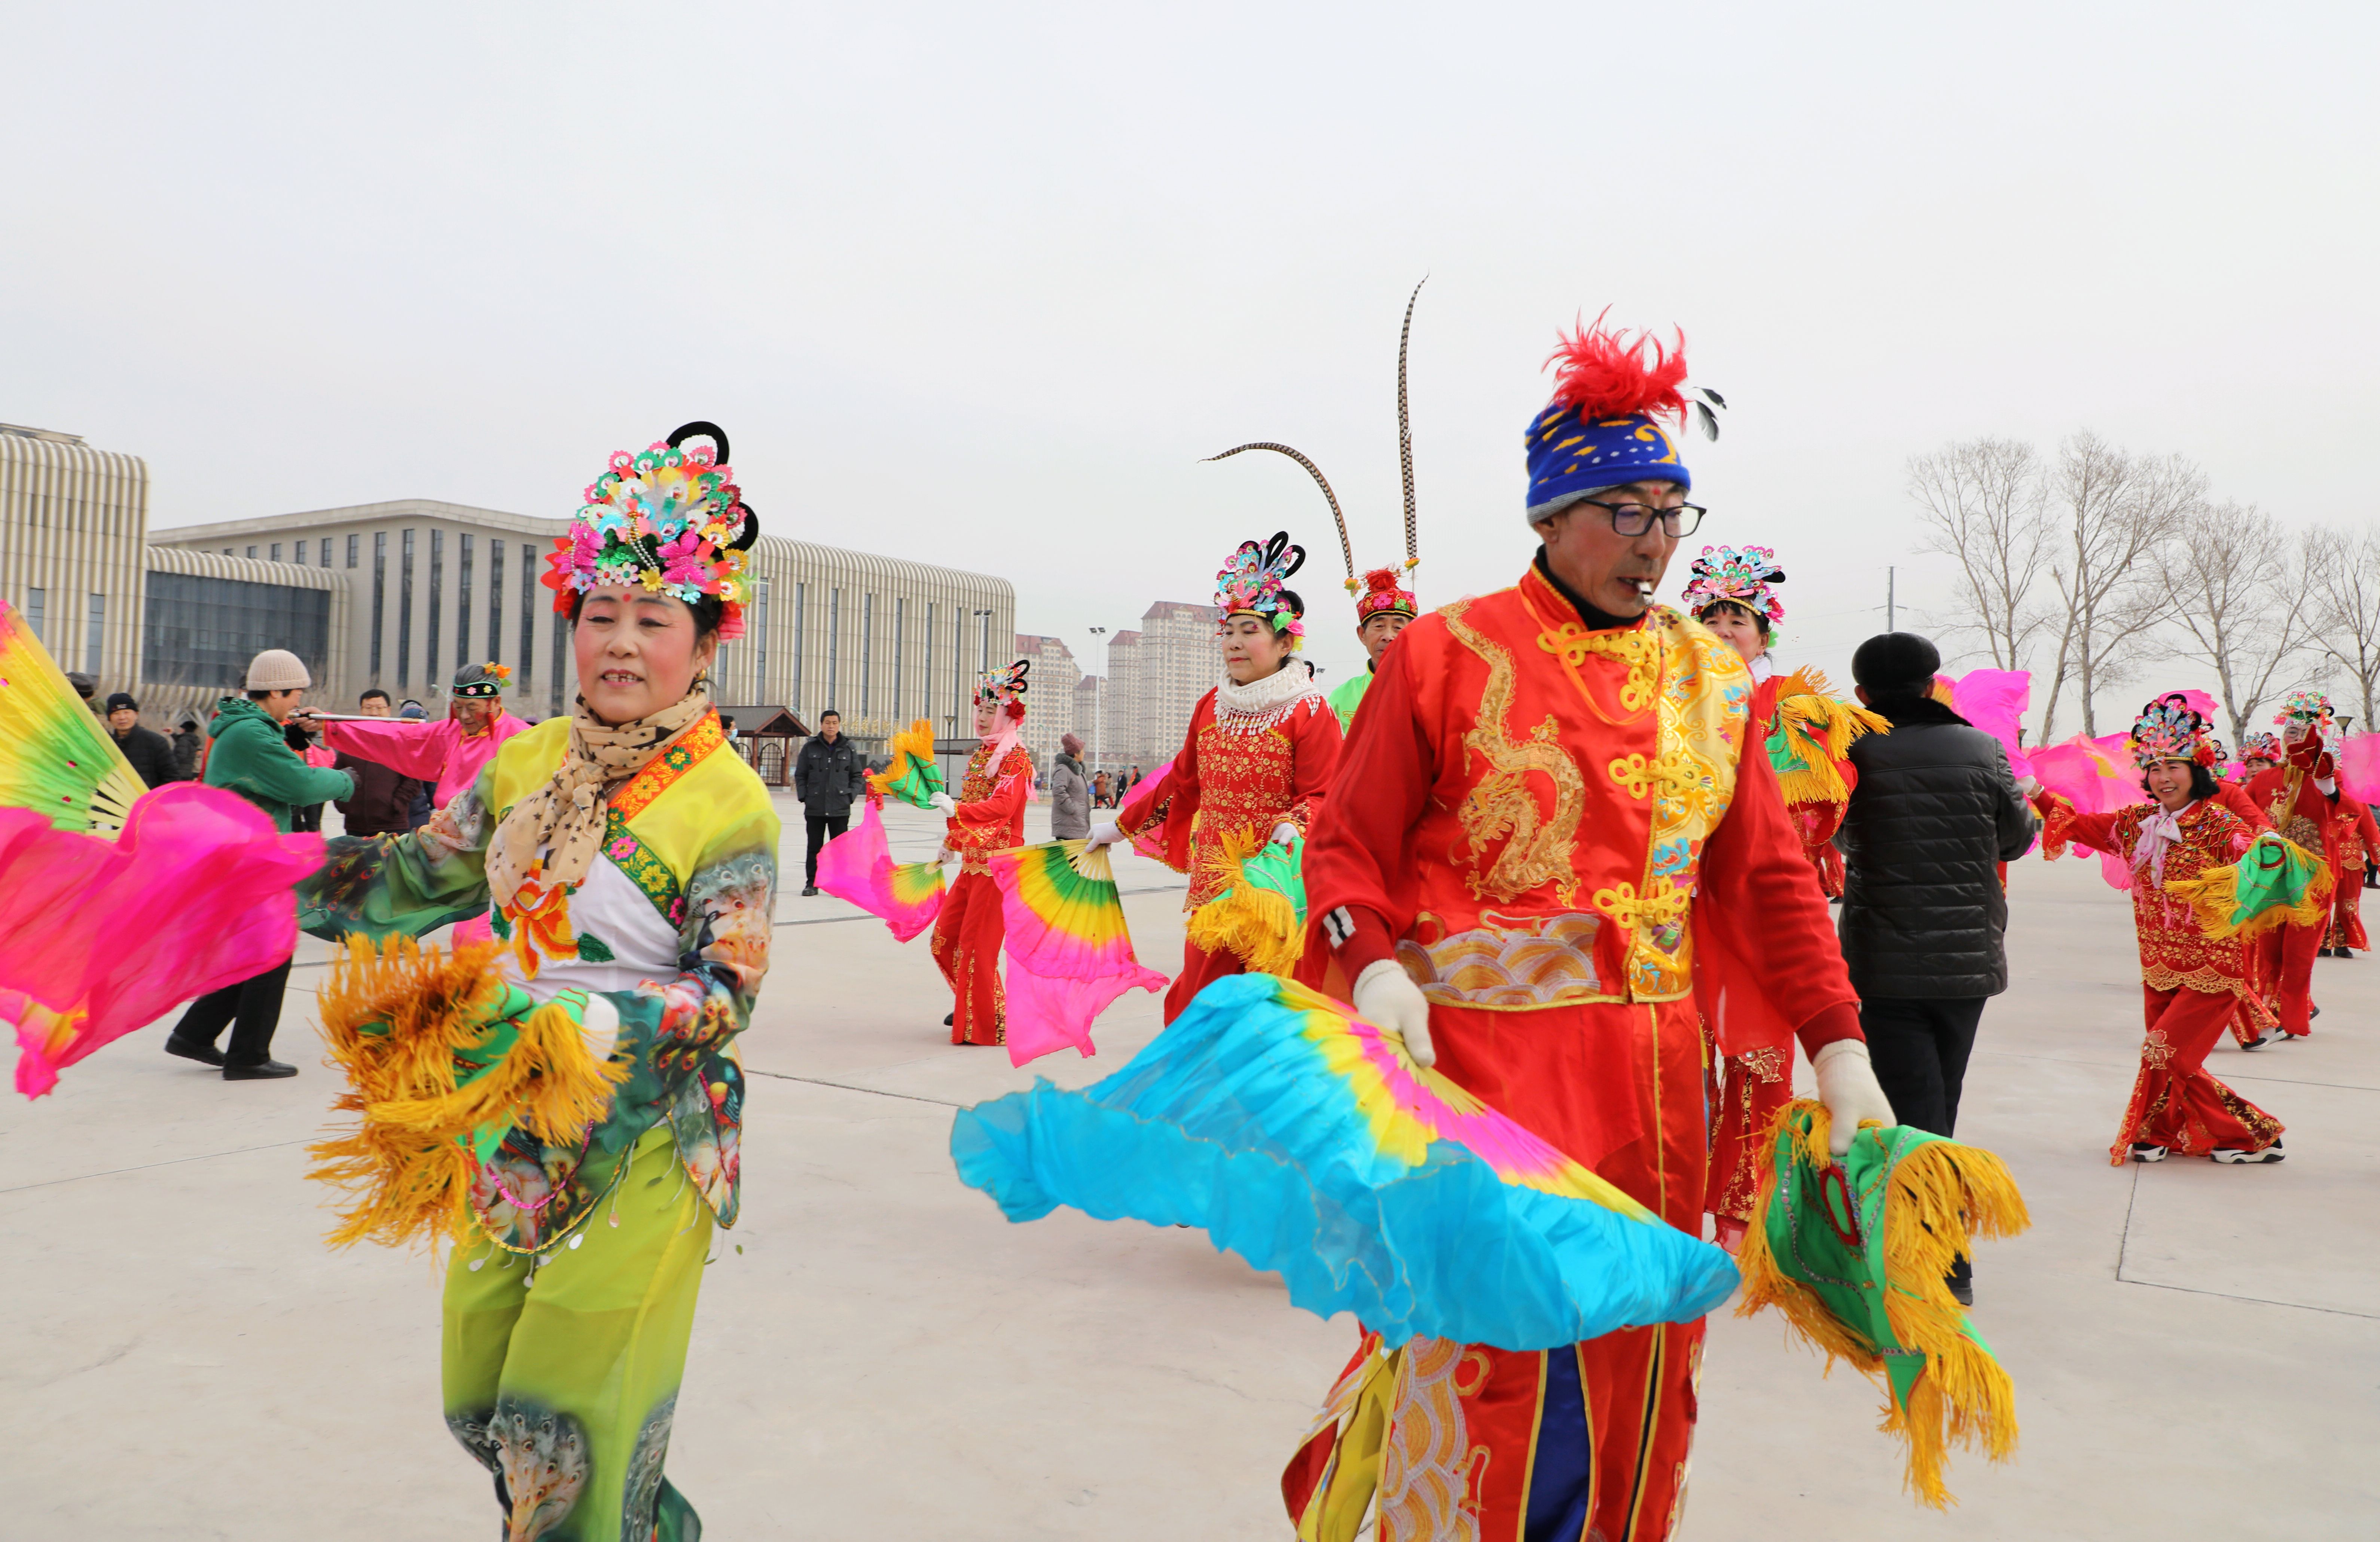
[{"x": 56, "y": 757}]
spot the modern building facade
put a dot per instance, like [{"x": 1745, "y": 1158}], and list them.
[
  {"x": 73, "y": 528},
  {"x": 433, "y": 585}
]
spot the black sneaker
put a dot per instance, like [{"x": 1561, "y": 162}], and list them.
[
  {"x": 810, "y": 891},
  {"x": 2147, "y": 1151},
  {"x": 950, "y": 1019},
  {"x": 2233, "y": 1156},
  {"x": 263, "y": 1070},
  {"x": 1961, "y": 1281},
  {"x": 205, "y": 1054}
]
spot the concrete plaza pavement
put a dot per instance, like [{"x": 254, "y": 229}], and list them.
[{"x": 877, "y": 1354}]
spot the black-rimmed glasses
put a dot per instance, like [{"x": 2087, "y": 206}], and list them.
[{"x": 1634, "y": 519}]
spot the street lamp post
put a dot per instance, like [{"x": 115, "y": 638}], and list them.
[{"x": 1099, "y": 716}]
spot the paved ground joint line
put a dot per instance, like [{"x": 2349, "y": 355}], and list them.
[
  {"x": 854, "y": 1087},
  {"x": 170, "y": 1162}
]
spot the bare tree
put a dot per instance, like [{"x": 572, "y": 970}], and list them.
[
  {"x": 2113, "y": 513},
  {"x": 2343, "y": 577},
  {"x": 1985, "y": 506},
  {"x": 2236, "y": 585}
]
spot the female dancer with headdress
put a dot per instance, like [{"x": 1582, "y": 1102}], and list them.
[
  {"x": 629, "y": 857},
  {"x": 2192, "y": 983},
  {"x": 986, "y": 815},
  {"x": 1260, "y": 749}
]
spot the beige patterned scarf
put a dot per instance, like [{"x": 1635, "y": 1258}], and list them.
[{"x": 564, "y": 819}]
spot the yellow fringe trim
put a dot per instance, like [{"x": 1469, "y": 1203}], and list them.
[
  {"x": 913, "y": 744},
  {"x": 1819, "y": 731},
  {"x": 1943, "y": 1193},
  {"x": 407, "y": 1165},
  {"x": 1259, "y": 925},
  {"x": 2213, "y": 894}
]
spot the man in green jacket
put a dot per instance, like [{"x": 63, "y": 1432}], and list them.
[{"x": 250, "y": 757}]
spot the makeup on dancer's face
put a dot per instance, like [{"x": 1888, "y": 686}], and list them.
[{"x": 1252, "y": 648}]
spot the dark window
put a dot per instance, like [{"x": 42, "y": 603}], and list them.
[
  {"x": 529, "y": 609},
  {"x": 801, "y": 622},
  {"x": 900, "y": 656},
  {"x": 933, "y": 615},
  {"x": 760, "y": 640},
  {"x": 495, "y": 601},
  {"x": 351, "y": 549},
  {"x": 833, "y": 644},
  {"x": 380, "y": 595},
  {"x": 37, "y": 612},
  {"x": 95, "y": 630},
  {"x": 437, "y": 597},
  {"x": 866, "y": 652},
  {"x": 326, "y": 551},
  {"x": 463, "y": 601},
  {"x": 203, "y": 631},
  {"x": 561, "y": 650},
  {"x": 251, "y": 554},
  {"x": 301, "y": 554},
  {"x": 404, "y": 616}
]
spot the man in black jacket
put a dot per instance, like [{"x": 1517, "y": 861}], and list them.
[
  {"x": 825, "y": 778},
  {"x": 151, "y": 756},
  {"x": 1936, "y": 810},
  {"x": 385, "y": 797}
]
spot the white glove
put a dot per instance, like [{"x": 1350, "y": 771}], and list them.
[
  {"x": 2327, "y": 786},
  {"x": 1846, "y": 1084},
  {"x": 1104, "y": 831},
  {"x": 1284, "y": 832},
  {"x": 1386, "y": 997},
  {"x": 2029, "y": 786},
  {"x": 943, "y": 804}
]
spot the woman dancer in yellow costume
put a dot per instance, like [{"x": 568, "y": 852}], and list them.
[{"x": 627, "y": 858}]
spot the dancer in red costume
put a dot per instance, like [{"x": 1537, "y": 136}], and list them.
[
  {"x": 2353, "y": 837},
  {"x": 2295, "y": 796},
  {"x": 2190, "y": 984},
  {"x": 1260, "y": 749},
  {"x": 988, "y": 816},
  {"x": 1547, "y": 829}
]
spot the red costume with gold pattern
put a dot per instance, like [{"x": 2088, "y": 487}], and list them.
[
  {"x": 990, "y": 818},
  {"x": 1255, "y": 757},
  {"x": 2191, "y": 983},
  {"x": 2352, "y": 838},
  {"x": 1558, "y": 834},
  {"x": 2298, "y": 809}
]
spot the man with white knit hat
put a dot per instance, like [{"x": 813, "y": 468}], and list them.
[{"x": 250, "y": 757}]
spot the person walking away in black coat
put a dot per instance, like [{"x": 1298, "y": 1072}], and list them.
[
  {"x": 151, "y": 757},
  {"x": 1924, "y": 913},
  {"x": 827, "y": 776},
  {"x": 190, "y": 745}
]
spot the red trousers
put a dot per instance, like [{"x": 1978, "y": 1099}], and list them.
[
  {"x": 1590, "y": 1441},
  {"x": 967, "y": 948},
  {"x": 2286, "y": 956},
  {"x": 1743, "y": 1093},
  {"x": 2174, "y": 1102},
  {"x": 2347, "y": 909},
  {"x": 1201, "y": 969}
]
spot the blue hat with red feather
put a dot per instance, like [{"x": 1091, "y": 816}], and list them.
[{"x": 1603, "y": 428}]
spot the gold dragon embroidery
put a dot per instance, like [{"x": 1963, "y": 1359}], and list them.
[{"x": 1502, "y": 805}]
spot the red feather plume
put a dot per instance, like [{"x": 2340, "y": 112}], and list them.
[
  {"x": 1606, "y": 375},
  {"x": 1380, "y": 580}
]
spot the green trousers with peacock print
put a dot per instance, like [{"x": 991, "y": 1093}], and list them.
[{"x": 563, "y": 1381}]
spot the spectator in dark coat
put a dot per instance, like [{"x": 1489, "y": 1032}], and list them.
[
  {"x": 827, "y": 775},
  {"x": 1070, "y": 793},
  {"x": 419, "y": 814},
  {"x": 189, "y": 748},
  {"x": 1936, "y": 812},
  {"x": 1103, "y": 791},
  {"x": 146, "y": 748},
  {"x": 385, "y": 797}
]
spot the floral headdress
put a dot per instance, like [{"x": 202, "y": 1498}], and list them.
[
  {"x": 671, "y": 519},
  {"x": 2261, "y": 747},
  {"x": 2310, "y": 708},
  {"x": 1252, "y": 580},
  {"x": 2170, "y": 731},
  {"x": 480, "y": 680},
  {"x": 1742, "y": 577},
  {"x": 1004, "y": 688},
  {"x": 1383, "y": 594}
]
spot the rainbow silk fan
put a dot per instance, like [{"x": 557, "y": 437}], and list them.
[
  {"x": 1069, "y": 952},
  {"x": 56, "y": 757}
]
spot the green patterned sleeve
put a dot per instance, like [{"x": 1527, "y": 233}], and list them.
[{"x": 382, "y": 885}]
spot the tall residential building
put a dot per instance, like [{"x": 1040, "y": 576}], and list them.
[
  {"x": 1048, "y": 696},
  {"x": 431, "y": 586},
  {"x": 1126, "y": 736},
  {"x": 1177, "y": 663},
  {"x": 1090, "y": 717},
  {"x": 175, "y": 628}
]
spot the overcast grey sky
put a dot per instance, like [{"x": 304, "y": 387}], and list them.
[{"x": 980, "y": 285}]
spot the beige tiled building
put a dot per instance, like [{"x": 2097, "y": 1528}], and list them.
[
  {"x": 73, "y": 522},
  {"x": 1049, "y": 697}
]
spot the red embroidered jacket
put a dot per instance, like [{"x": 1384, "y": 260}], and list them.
[
  {"x": 1239, "y": 772},
  {"x": 990, "y": 813},
  {"x": 2176, "y": 952}
]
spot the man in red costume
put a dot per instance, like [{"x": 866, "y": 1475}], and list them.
[
  {"x": 986, "y": 815},
  {"x": 2296, "y": 796},
  {"x": 1545, "y": 845}
]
